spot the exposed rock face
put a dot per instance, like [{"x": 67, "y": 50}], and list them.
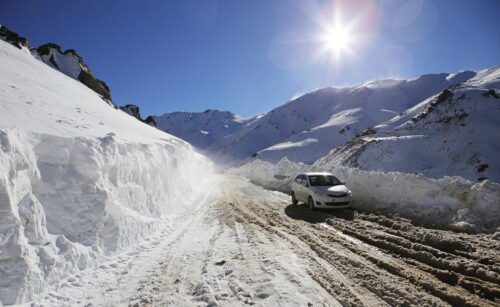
[
  {"x": 71, "y": 63},
  {"x": 98, "y": 86},
  {"x": 67, "y": 62},
  {"x": 11, "y": 37},
  {"x": 150, "y": 121},
  {"x": 133, "y": 110},
  {"x": 45, "y": 49}
]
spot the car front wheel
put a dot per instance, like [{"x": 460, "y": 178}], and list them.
[
  {"x": 310, "y": 202},
  {"x": 294, "y": 200}
]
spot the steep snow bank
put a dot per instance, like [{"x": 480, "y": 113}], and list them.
[
  {"x": 79, "y": 180},
  {"x": 451, "y": 202},
  {"x": 66, "y": 201},
  {"x": 30, "y": 257}
]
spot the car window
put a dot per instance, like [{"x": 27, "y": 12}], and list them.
[
  {"x": 323, "y": 180},
  {"x": 298, "y": 179}
]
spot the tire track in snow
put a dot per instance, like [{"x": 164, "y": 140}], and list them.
[
  {"x": 249, "y": 246},
  {"x": 118, "y": 278},
  {"x": 401, "y": 277},
  {"x": 222, "y": 260}
]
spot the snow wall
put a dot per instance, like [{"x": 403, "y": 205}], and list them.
[
  {"x": 66, "y": 203},
  {"x": 450, "y": 202}
]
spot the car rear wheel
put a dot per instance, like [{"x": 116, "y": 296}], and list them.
[
  {"x": 310, "y": 202},
  {"x": 294, "y": 200}
]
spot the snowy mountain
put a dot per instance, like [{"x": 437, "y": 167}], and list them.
[
  {"x": 79, "y": 179},
  {"x": 335, "y": 126},
  {"x": 201, "y": 129},
  {"x": 348, "y": 114},
  {"x": 307, "y": 128},
  {"x": 453, "y": 133}
]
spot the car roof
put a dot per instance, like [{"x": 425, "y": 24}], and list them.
[{"x": 317, "y": 174}]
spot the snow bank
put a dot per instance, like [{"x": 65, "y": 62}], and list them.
[
  {"x": 79, "y": 179},
  {"x": 30, "y": 257},
  {"x": 451, "y": 202},
  {"x": 66, "y": 202}
]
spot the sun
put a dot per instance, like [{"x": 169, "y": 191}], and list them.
[{"x": 337, "y": 40}]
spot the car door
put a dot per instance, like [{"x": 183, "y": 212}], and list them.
[
  {"x": 301, "y": 188},
  {"x": 305, "y": 189},
  {"x": 296, "y": 186}
]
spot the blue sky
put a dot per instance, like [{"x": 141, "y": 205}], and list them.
[{"x": 251, "y": 56}]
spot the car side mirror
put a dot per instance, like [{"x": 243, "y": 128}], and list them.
[{"x": 307, "y": 185}]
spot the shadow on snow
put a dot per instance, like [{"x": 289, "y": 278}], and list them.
[{"x": 302, "y": 212}]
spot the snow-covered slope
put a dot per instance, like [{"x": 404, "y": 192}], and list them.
[
  {"x": 437, "y": 125},
  {"x": 68, "y": 62},
  {"x": 79, "y": 179},
  {"x": 307, "y": 128},
  {"x": 453, "y": 133},
  {"x": 201, "y": 129},
  {"x": 72, "y": 65}
]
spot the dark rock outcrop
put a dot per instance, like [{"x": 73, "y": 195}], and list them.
[
  {"x": 133, "y": 110},
  {"x": 150, "y": 121},
  {"x": 48, "y": 53},
  {"x": 51, "y": 53},
  {"x": 45, "y": 49},
  {"x": 98, "y": 86},
  {"x": 85, "y": 76},
  {"x": 13, "y": 38}
]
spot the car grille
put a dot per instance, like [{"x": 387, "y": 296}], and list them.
[
  {"x": 338, "y": 195},
  {"x": 343, "y": 203}
]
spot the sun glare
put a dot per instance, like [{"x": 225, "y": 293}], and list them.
[
  {"x": 344, "y": 28},
  {"x": 337, "y": 40}
]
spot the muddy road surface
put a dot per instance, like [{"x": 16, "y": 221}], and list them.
[
  {"x": 253, "y": 247},
  {"x": 244, "y": 245}
]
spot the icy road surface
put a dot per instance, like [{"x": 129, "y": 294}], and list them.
[{"x": 248, "y": 246}]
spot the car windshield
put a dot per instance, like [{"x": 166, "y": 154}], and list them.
[{"x": 323, "y": 180}]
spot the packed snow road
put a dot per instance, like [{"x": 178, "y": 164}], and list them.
[{"x": 248, "y": 246}]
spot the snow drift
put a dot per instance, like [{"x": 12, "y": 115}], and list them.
[
  {"x": 79, "y": 179},
  {"x": 450, "y": 202}
]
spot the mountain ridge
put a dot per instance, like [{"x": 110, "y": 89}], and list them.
[{"x": 333, "y": 123}]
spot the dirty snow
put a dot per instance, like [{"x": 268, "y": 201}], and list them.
[{"x": 451, "y": 202}]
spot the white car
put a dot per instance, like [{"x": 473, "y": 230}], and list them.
[{"x": 320, "y": 190}]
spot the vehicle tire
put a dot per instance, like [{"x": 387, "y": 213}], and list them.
[
  {"x": 294, "y": 200},
  {"x": 310, "y": 202}
]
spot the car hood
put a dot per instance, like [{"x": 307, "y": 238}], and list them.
[{"x": 337, "y": 189}]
